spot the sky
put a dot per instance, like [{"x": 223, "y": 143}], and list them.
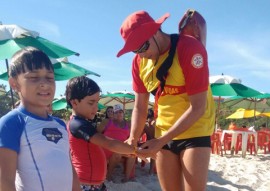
[{"x": 238, "y": 34}]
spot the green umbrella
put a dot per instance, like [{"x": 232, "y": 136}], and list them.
[
  {"x": 61, "y": 103},
  {"x": 14, "y": 38},
  {"x": 63, "y": 70},
  {"x": 125, "y": 98},
  {"x": 259, "y": 103},
  {"x": 224, "y": 85}
]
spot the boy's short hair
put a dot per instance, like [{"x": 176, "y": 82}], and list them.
[
  {"x": 80, "y": 87},
  {"x": 29, "y": 58}
]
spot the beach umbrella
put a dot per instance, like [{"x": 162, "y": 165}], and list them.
[
  {"x": 259, "y": 103},
  {"x": 266, "y": 114},
  {"x": 243, "y": 113},
  {"x": 225, "y": 85},
  {"x": 125, "y": 98},
  {"x": 63, "y": 70},
  {"x": 61, "y": 103},
  {"x": 14, "y": 38}
]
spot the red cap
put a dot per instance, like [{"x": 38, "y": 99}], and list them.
[{"x": 138, "y": 28}]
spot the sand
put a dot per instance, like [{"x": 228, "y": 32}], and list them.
[{"x": 227, "y": 173}]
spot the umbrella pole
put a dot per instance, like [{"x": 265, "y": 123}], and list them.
[
  {"x": 124, "y": 104},
  {"x": 217, "y": 114},
  {"x": 254, "y": 122},
  {"x": 11, "y": 92}
]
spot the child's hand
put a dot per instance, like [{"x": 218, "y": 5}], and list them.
[
  {"x": 143, "y": 156},
  {"x": 150, "y": 148}
]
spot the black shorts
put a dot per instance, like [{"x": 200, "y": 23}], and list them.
[{"x": 177, "y": 146}]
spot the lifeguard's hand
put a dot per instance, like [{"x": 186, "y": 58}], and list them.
[
  {"x": 151, "y": 147},
  {"x": 144, "y": 156},
  {"x": 131, "y": 141}
]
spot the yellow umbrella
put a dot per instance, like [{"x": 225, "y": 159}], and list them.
[
  {"x": 243, "y": 113},
  {"x": 265, "y": 114}
]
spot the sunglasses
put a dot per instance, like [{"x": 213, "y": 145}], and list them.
[{"x": 143, "y": 48}]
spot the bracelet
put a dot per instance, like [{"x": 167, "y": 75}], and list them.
[{"x": 135, "y": 150}]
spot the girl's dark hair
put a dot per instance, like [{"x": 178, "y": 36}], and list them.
[
  {"x": 80, "y": 87},
  {"x": 29, "y": 58},
  {"x": 106, "y": 114},
  {"x": 150, "y": 113}
]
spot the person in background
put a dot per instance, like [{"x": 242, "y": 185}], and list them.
[
  {"x": 232, "y": 126},
  {"x": 34, "y": 148},
  {"x": 184, "y": 105},
  {"x": 117, "y": 128},
  {"x": 109, "y": 112},
  {"x": 149, "y": 130},
  {"x": 88, "y": 158}
]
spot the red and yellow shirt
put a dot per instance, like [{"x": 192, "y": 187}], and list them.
[{"x": 188, "y": 75}]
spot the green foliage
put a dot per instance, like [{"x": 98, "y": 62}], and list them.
[
  {"x": 6, "y": 101},
  {"x": 63, "y": 114},
  {"x": 225, "y": 112}
]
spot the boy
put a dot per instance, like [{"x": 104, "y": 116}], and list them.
[
  {"x": 88, "y": 157},
  {"x": 34, "y": 149}
]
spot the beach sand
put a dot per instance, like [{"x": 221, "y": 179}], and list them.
[{"x": 227, "y": 173}]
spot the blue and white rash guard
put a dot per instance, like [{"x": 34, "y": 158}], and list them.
[{"x": 43, "y": 150}]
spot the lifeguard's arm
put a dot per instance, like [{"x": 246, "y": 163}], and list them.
[
  {"x": 138, "y": 118},
  {"x": 8, "y": 166},
  {"x": 193, "y": 113}
]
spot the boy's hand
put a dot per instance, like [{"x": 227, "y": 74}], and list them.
[{"x": 144, "y": 155}]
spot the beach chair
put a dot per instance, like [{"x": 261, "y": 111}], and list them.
[
  {"x": 216, "y": 144},
  {"x": 251, "y": 144},
  {"x": 227, "y": 142},
  {"x": 263, "y": 140}
]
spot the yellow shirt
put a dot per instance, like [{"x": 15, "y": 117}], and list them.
[{"x": 174, "y": 100}]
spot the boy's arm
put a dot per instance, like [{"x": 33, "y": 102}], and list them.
[
  {"x": 76, "y": 182},
  {"x": 8, "y": 166},
  {"x": 118, "y": 146},
  {"x": 112, "y": 144}
]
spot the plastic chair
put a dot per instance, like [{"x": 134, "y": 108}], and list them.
[
  {"x": 227, "y": 142},
  {"x": 238, "y": 143},
  {"x": 251, "y": 144},
  {"x": 216, "y": 144},
  {"x": 263, "y": 140}
]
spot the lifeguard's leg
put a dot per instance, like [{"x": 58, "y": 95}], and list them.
[
  {"x": 169, "y": 170},
  {"x": 195, "y": 163}
]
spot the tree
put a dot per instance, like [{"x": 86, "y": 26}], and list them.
[{"x": 6, "y": 101}]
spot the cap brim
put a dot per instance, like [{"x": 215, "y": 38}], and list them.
[{"x": 141, "y": 34}]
